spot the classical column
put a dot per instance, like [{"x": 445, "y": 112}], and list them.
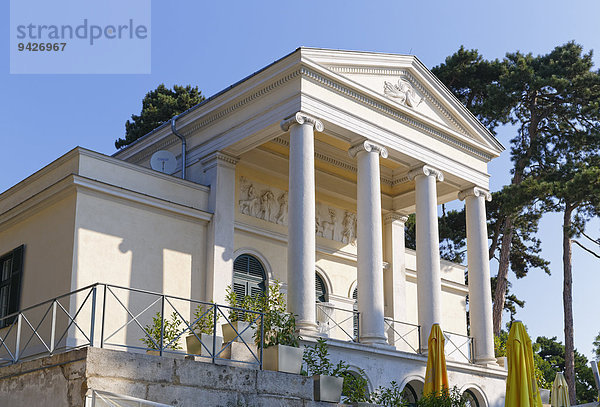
[
  {"x": 395, "y": 274},
  {"x": 369, "y": 242},
  {"x": 429, "y": 283},
  {"x": 301, "y": 220},
  {"x": 480, "y": 294},
  {"x": 219, "y": 173}
]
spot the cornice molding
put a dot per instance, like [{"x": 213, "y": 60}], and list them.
[
  {"x": 168, "y": 140},
  {"x": 428, "y": 171},
  {"x": 392, "y": 217},
  {"x": 218, "y": 158},
  {"x": 369, "y": 147},
  {"x": 301, "y": 118},
  {"x": 476, "y": 192}
]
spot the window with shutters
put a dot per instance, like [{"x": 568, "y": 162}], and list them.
[
  {"x": 249, "y": 276},
  {"x": 320, "y": 289},
  {"x": 11, "y": 270}
]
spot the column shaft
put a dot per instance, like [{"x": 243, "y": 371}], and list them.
[
  {"x": 394, "y": 281},
  {"x": 369, "y": 244},
  {"x": 301, "y": 221},
  {"x": 429, "y": 288},
  {"x": 480, "y": 297}
]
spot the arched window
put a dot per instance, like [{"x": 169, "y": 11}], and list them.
[
  {"x": 355, "y": 317},
  {"x": 471, "y": 399},
  {"x": 409, "y": 395},
  {"x": 320, "y": 289},
  {"x": 249, "y": 276}
]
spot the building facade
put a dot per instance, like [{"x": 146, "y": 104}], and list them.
[{"x": 303, "y": 173}]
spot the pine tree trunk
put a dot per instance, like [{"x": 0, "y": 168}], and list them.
[
  {"x": 568, "y": 304},
  {"x": 502, "y": 277}
]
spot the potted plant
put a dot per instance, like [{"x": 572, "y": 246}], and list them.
[
  {"x": 328, "y": 378},
  {"x": 446, "y": 398},
  {"x": 281, "y": 345},
  {"x": 171, "y": 331},
  {"x": 200, "y": 341},
  {"x": 355, "y": 389},
  {"x": 241, "y": 324},
  {"x": 390, "y": 396}
]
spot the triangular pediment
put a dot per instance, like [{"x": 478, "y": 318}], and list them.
[{"x": 404, "y": 82}]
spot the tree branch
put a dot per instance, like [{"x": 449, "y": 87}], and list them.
[{"x": 585, "y": 248}]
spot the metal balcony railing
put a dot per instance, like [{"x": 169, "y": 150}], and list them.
[
  {"x": 338, "y": 323},
  {"x": 458, "y": 347},
  {"x": 403, "y": 335},
  {"x": 111, "y": 316}
]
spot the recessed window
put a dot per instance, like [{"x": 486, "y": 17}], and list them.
[
  {"x": 320, "y": 289},
  {"x": 249, "y": 277},
  {"x": 11, "y": 271}
]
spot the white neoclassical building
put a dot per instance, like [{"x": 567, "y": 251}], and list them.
[{"x": 302, "y": 173}]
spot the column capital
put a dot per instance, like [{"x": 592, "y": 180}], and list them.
[
  {"x": 301, "y": 118},
  {"x": 369, "y": 147},
  {"x": 216, "y": 158},
  {"x": 427, "y": 171},
  {"x": 476, "y": 192},
  {"x": 391, "y": 217}
]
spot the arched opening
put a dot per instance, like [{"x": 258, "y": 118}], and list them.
[
  {"x": 411, "y": 392},
  {"x": 249, "y": 277},
  {"x": 321, "y": 293},
  {"x": 472, "y": 399},
  {"x": 355, "y": 384}
]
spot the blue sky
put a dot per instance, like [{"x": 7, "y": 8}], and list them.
[{"x": 214, "y": 44}]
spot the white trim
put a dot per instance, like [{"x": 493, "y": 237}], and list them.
[
  {"x": 328, "y": 285},
  {"x": 265, "y": 263},
  {"x": 479, "y": 393}
]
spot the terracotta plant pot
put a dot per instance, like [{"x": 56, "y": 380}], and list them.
[
  {"x": 328, "y": 388},
  {"x": 194, "y": 346},
  {"x": 282, "y": 358}
]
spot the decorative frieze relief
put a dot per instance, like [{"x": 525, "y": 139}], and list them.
[{"x": 271, "y": 205}]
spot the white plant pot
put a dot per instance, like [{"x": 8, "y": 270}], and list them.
[
  {"x": 328, "y": 388},
  {"x": 545, "y": 396},
  {"x": 229, "y": 333},
  {"x": 282, "y": 358},
  {"x": 194, "y": 347}
]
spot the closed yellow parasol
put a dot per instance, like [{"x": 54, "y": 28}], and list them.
[
  {"x": 560, "y": 392},
  {"x": 521, "y": 385},
  {"x": 436, "y": 376}
]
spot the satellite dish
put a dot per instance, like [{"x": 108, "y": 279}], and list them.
[{"x": 163, "y": 161}]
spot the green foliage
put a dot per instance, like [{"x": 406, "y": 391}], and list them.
[
  {"x": 550, "y": 358},
  {"x": 474, "y": 81},
  {"x": 279, "y": 325},
  {"x": 356, "y": 387},
  {"x": 171, "y": 331},
  {"x": 317, "y": 362},
  {"x": 204, "y": 315},
  {"x": 500, "y": 344},
  {"x": 250, "y": 303},
  {"x": 596, "y": 344},
  {"x": 158, "y": 106},
  {"x": 451, "y": 398},
  {"x": 390, "y": 396}
]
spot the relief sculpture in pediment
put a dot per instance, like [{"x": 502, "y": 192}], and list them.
[{"x": 403, "y": 91}]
